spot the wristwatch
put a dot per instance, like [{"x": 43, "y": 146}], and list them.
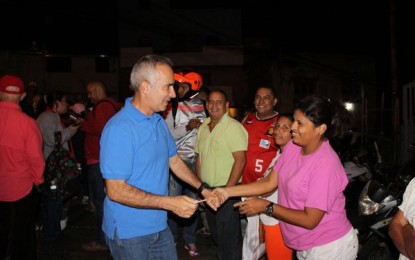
[
  {"x": 269, "y": 209},
  {"x": 203, "y": 186}
]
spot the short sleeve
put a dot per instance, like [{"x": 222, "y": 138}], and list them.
[
  {"x": 116, "y": 155},
  {"x": 408, "y": 202}
]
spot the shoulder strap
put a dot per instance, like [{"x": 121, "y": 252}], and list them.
[
  {"x": 174, "y": 105},
  {"x": 243, "y": 120},
  {"x": 104, "y": 100},
  {"x": 58, "y": 139}
]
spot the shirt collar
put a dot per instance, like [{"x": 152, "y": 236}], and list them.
[{"x": 154, "y": 118}]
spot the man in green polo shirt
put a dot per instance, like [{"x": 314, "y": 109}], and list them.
[{"x": 221, "y": 146}]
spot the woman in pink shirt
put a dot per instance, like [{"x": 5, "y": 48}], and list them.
[{"x": 310, "y": 179}]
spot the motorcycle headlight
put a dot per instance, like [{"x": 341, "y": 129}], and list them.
[{"x": 366, "y": 205}]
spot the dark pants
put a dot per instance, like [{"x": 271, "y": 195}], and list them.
[
  {"x": 177, "y": 188},
  {"x": 17, "y": 227},
  {"x": 84, "y": 179},
  {"x": 52, "y": 215},
  {"x": 225, "y": 227},
  {"x": 97, "y": 196}
]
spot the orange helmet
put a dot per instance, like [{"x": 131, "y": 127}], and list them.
[{"x": 194, "y": 79}]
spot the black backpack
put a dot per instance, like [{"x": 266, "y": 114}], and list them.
[{"x": 61, "y": 171}]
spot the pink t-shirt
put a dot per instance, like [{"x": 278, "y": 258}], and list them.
[{"x": 315, "y": 181}]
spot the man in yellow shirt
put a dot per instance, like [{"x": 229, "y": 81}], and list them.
[{"x": 221, "y": 146}]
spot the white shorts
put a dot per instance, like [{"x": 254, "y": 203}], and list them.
[{"x": 344, "y": 248}]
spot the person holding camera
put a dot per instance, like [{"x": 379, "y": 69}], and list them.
[{"x": 50, "y": 121}]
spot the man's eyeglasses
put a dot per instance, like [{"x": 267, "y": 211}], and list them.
[{"x": 284, "y": 128}]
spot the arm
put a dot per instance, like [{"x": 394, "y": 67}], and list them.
[
  {"x": 198, "y": 167},
  {"x": 183, "y": 172},
  {"x": 256, "y": 188},
  {"x": 403, "y": 235},
  {"x": 308, "y": 218},
  {"x": 409, "y": 238},
  {"x": 253, "y": 206},
  {"x": 68, "y": 132},
  {"x": 48, "y": 124},
  {"x": 237, "y": 168},
  {"x": 119, "y": 191},
  {"x": 35, "y": 154}
]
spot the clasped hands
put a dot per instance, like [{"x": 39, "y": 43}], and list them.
[{"x": 185, "y": 207}]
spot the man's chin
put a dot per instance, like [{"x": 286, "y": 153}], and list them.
[{"x": 162, "y": 108}]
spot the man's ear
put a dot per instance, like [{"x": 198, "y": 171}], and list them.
[
  {"x": 145, "y": 87},
  {"x": 275, "y": 101}
]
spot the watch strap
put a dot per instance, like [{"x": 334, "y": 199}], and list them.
[
  {"x": 269, "y": 210},
  {"x": 203, "y": 186}
]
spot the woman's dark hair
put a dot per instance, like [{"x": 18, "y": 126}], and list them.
[
  {"x": 52, "y": 97},
  {"x": 290, "y": 116},
  {"x": 320, "y": 110}
]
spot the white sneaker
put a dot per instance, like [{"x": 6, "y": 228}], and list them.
[{"x": 64, "y": 223}]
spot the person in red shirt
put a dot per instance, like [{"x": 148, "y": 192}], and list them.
[
  {"x": 104, "y": 108},
  {"x": 262, "y": 149},
  {"x": 21, "y": 167}
]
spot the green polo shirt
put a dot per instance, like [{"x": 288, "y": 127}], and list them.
[{"x": 215, "y": 149}]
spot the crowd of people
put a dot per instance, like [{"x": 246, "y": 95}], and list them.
[{"x": 171, "y": 156}]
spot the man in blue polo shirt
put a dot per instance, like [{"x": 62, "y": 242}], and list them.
[{"x": 137, "y": 150}]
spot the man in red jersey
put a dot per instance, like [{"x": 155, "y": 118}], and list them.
[
  {"x": 21, "y": 167},
  {"x": 262, "y": 150}
]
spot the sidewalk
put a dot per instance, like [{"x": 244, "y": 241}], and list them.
[{"x": 81, "y": 229}]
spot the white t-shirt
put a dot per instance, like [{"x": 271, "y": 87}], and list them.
[
  {"x": 408, "y": 207},
  {"x": 267, "y": 220}
]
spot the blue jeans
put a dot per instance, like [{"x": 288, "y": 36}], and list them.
[
  {"x": 158, "y": 246},
  {"x": 96, "y": 196},
  {"x": 177, "y": 188},
  {"x": 225, "y": 227}
]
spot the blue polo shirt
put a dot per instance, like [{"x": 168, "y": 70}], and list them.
[{"x": 136, "y": 148}]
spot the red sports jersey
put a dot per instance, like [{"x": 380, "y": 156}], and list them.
[{"x": 261, "y": 147}]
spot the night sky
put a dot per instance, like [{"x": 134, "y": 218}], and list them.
[{"x": 354, "y": 27}]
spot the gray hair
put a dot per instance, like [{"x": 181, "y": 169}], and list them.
[{"x": 145, "y": 68}]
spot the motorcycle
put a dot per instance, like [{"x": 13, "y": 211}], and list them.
[
  {"x": 378, "y": 203},
  {"x": 359, "y": 164}
]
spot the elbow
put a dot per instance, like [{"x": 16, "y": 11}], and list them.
[
  {"x": 112, "y": 195},
  {"x": 310, "y": 226},
  {"x": 390, "y": 232},
  {"x": 243, "y": 162},
  {"x": 310, "y": 223},
  {"x": 394, "y": 230}
]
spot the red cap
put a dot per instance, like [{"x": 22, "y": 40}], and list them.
[{"x": 11, "y": 85}]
